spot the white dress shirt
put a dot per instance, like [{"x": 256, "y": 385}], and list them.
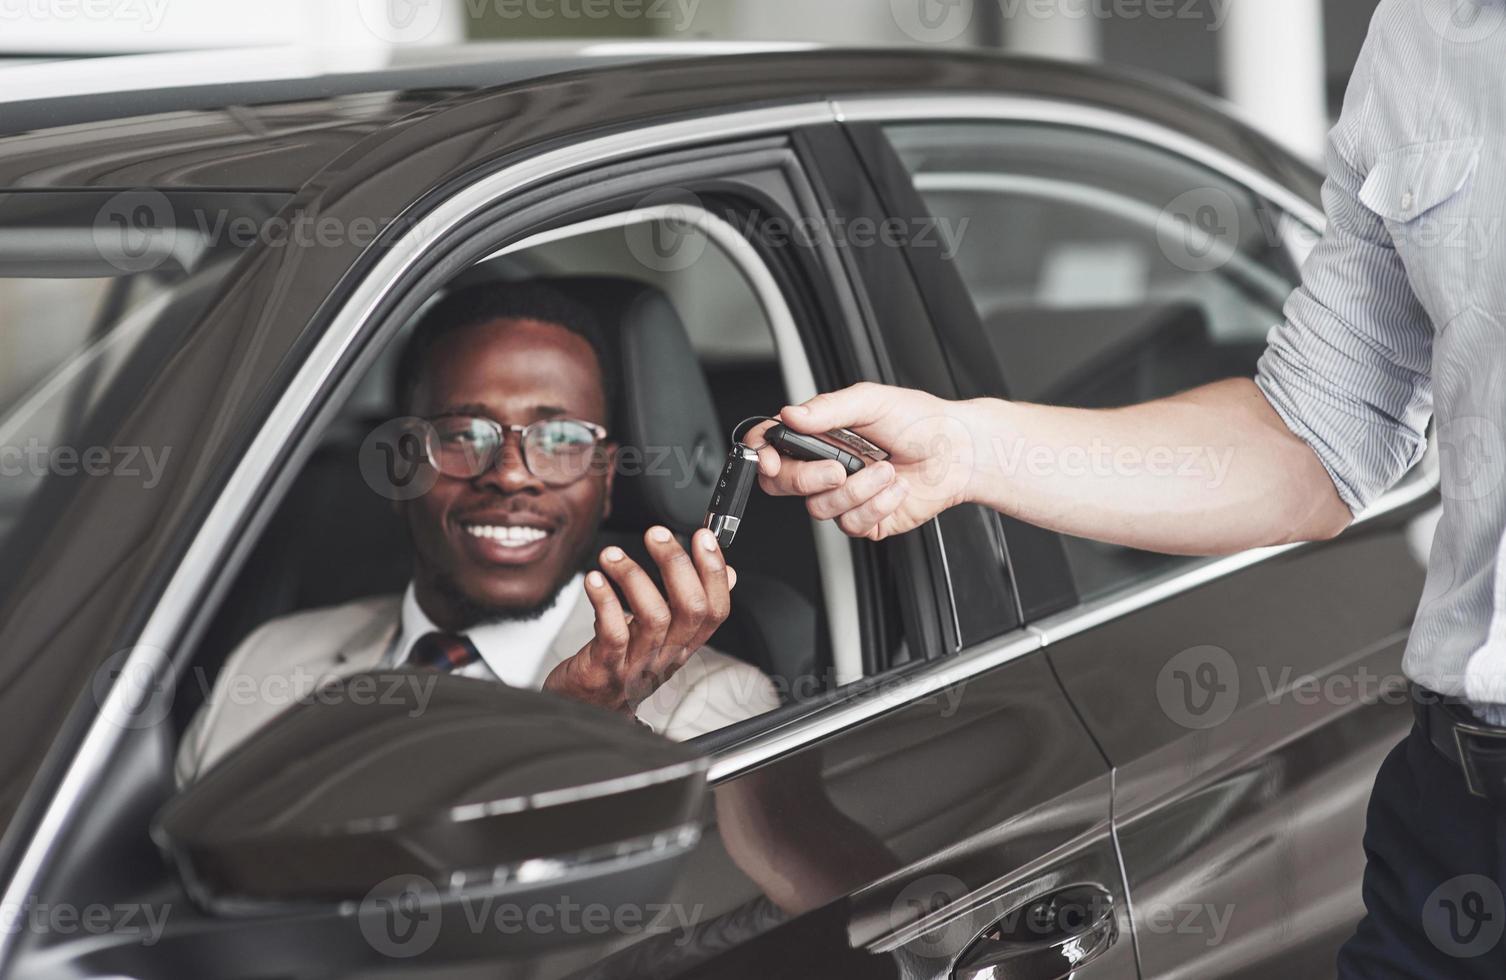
[
  {"x": 512, "y": 652},
  {"x": 1401, "y": 318}
]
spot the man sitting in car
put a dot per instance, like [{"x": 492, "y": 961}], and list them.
[{"x": 511, "y": 384}]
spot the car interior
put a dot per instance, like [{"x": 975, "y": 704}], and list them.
[{"x": 693, "y": 355}]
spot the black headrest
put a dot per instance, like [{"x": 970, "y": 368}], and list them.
[{"x": 664, "y": 417}]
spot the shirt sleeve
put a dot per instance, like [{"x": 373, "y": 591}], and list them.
[{"x": 1349, "y": 369}]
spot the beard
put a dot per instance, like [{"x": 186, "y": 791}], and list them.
[{"x": 472, "y": 612}]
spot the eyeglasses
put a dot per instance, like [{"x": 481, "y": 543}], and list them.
[{"x": 557, "y": 451}]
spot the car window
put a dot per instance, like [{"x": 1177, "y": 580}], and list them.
[
  {"x": 692, "y": 349},
  {"x": 1106, "y": 272}
]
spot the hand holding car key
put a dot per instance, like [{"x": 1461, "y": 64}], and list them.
[
  {"x": 730, "y": 498},
  {"x": 926, "y": 463}
]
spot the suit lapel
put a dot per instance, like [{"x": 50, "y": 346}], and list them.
[
  {"x": 367, "y": 647},
  {"x": 579, "y": 628}
]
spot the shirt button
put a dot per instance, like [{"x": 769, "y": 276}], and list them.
[{"x": 1407, "y": 200}]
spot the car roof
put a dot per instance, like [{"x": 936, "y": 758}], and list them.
[{"x": 270, "y": 119}]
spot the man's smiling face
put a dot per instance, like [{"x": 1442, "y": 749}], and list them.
[{"x": 468, "y": 566}]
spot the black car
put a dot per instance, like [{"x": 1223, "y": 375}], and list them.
[{"x": 1000, "y": 753}]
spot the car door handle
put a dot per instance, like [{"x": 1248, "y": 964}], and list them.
[{"x": 1048, "y": 939}]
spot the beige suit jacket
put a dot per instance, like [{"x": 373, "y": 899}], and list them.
[{"x": 286, "y": 660}]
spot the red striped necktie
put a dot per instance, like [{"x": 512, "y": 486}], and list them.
[{"x": 442, "y": 652}]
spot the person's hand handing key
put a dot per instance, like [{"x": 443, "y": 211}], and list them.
[{"x": 928, "y": 470}]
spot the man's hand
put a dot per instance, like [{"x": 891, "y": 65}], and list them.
[
  {"x": 1211, "y": 471},
  {"x": 930, "y": 467},
  {"x": 635, "y": 652}
]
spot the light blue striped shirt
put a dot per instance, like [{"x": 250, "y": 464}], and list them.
[{"x": 1401, "y": 315}]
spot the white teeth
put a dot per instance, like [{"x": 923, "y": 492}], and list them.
[{"x": 507, "y": 536}]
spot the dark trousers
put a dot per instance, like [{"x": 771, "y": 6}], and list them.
[{"x": 1434, "y": 874}]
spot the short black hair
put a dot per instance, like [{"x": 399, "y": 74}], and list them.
[{"x": 471, "y": 306}]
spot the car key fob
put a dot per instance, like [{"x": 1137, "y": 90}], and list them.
[
  {"x": 814, "y": 449},
  {"x": 735, "y": 485},
  {"x": 730, "y": 498}
]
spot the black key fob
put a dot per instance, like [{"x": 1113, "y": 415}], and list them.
[
  {"x": 730, "y": 498},
  {"x": 812, "y": 449}
]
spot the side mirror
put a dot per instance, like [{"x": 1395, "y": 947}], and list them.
[{"x": 416, "y": 793}]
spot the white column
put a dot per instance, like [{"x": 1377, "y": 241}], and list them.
[
  {"x": 1274, "y": 70},
  {"x": 1059, "y": 30}
]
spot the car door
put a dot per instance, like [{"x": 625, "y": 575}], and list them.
[
  {"x": 950, "y": 815},
  {"x": 1244, "y": 703},
  {"x": 946, "y": 811}
]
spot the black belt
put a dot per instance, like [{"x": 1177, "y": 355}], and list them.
[{"x": 1477, "y": 749}]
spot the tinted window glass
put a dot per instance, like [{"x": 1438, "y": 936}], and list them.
[
  {"x": 1106, "y": 271},
  {"x": 90, "y": 310}
]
